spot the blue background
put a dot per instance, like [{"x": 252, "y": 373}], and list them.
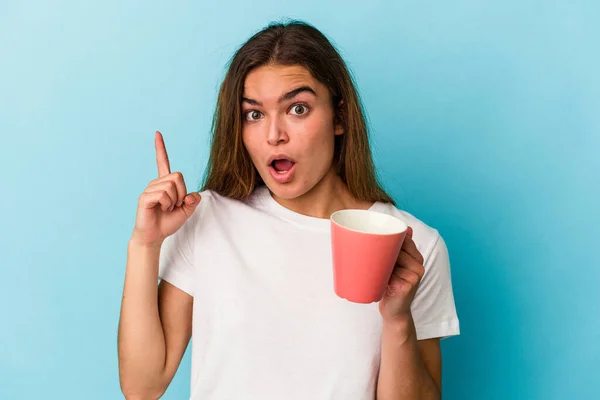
[{"x": 485, "y": 120}]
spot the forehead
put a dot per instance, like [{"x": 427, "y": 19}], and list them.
[{"x": 269, "y": 82}]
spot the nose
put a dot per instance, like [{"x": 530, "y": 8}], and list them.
[{"x": 277, "y": 132}]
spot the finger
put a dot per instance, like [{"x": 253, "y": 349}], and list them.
[
  {"x": 162, "y": 159},
  {"x": 168, "y": 187},
  {"x": 407, "y": 261},
  {"x": 407, "y": 275},
  {"x": 399, "y": 286},
  {"x": 181, "y": 188},
  {"x": 410, "y": 247},
  {"x": 152, "y": 199},
  {"x": 176, "y": 177},
  {"x": 190, "y": 203}
]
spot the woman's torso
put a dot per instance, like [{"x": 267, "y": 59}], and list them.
[{"x": 266, "y": 322}]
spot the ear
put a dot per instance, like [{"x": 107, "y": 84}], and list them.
[{"x": 339, "y": 127}]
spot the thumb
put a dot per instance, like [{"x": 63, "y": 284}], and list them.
[{"x": 190, "y": 202}]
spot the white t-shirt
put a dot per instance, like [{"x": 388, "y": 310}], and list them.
[{"x": 266, "y": 321}]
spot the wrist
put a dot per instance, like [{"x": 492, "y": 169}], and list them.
[
  {"x": 142, "y": 257},
  {"x": 136, "y": 241},
  {"x": 142, "y": 262},
  {"x": 401, "y": 327}
]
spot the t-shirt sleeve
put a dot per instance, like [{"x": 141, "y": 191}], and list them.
[
  {"x": 176, "y": 262},
  {"x": 433, "y": 308}
]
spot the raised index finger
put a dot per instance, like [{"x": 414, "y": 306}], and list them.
[{"x": 162, "y": 159}]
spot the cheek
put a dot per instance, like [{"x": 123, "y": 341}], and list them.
[
  {"x": 250, "y": 143},
  {"x": 319, "y": 131},
  {"x": 322, "y": 140}
]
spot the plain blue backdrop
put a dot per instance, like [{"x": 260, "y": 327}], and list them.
[{"x": 486, "y": 125}]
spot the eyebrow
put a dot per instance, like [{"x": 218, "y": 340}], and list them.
[{"x": 289, "y": 95}]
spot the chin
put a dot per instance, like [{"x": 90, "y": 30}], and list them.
[{"x": 287, "y": 191}]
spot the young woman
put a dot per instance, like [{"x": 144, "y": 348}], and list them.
[{"x": 245, "y": 265}]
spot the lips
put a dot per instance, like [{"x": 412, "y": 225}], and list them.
[
  {"x": 282, "y": 165},
  {"x": 280, "y": 156},
  {"x": 281, "y": 168}
]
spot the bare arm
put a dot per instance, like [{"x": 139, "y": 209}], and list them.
[
  {"x": 156, "y": 320},
  {"x": 154, "y": 328},
  {"x": 409, "y": 369}
]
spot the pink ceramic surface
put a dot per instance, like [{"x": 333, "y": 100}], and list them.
[{"x": 365, "y": 246}]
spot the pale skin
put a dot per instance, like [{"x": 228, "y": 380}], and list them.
[{"x": 156, "y": 321}]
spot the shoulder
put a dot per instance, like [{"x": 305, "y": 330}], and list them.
[
  {"x": 426, "y": 237},
  {"x": 216, "y": 205},
  {"x": 212, "y": 199}
]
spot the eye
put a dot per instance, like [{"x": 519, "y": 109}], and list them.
[
  {"x": 299, "y": 109},
  {"x": 253, "y": 115}
]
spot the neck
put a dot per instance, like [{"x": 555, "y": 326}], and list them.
[{"x": 330, "y": 195}]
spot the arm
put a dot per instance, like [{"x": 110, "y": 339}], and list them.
[
  {"x": 154, "y": 327},
  {"x": 410, "y": 368},
  {"x": 156, "y": 320}
]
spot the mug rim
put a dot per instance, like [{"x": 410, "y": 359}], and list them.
[{"x": 403, "y": 225}]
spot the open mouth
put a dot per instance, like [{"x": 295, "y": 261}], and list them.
[
  {"x": 282, "y": 165},
  {"x": 281, "y": 168}
]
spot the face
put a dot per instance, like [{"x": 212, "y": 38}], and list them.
[{"x": 288, "y": 128}]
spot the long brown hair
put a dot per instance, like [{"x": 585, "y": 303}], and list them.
[{"x": 230, "y": 170}]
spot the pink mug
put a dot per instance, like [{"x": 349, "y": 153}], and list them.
[{"x": 365, "y": 245}]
